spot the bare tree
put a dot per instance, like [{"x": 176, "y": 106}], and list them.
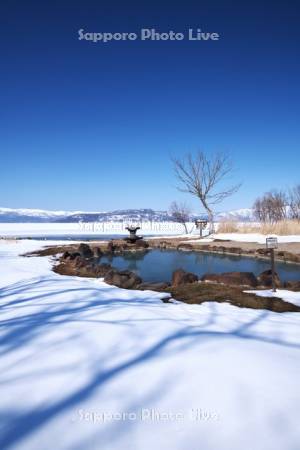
[
  {"x": 259, "y": 210},
  {"x": 271, "y": 207},
  {"x": 294, "y": 202},
  {"x": 180, "y": 213},
  {"x": 202, "y": 176}
]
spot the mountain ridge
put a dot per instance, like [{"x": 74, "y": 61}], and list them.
[{"x": 26, "y": 215}]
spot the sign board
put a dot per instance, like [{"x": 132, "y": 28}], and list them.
[
  {"x": 201, "y": 222},
  {"x": 272, "y": 242}
]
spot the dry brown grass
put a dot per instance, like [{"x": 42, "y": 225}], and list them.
[
  {"x": 285, "y": 227},
  {"x": 229, "y": 226},
  {"x": 282, "y": 228},
  {"x": 235, "y": 295}
]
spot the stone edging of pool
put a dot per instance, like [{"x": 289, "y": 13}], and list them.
[
  {"x": 288, "y": 253},
  {"x": 84, "y": 261}
]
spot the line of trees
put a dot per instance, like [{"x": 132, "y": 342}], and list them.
[{"x": 275, "y": 206}]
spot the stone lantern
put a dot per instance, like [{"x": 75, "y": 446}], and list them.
[{"x": 132, "y": 238}]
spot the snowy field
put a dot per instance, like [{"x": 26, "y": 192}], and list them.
[
  {"x": 87, "y": 366},
  {"x": 96, "y": 228},
  {"x": 256, "y": 237},
  {"x": 162, "y": 229}
]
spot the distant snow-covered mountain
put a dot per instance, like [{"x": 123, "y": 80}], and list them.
[
  {"x": 8, "y": 215},
  {"x": 32, "y": 215},
  {"x": 40, "y": 215},
  {"x": 239, "y": 215}
]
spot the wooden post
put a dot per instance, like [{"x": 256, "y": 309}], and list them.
[
  {"x": 273, "y": 269},
  {"x": 201, "y": 224},
  {"x": 272, "y": 243}
]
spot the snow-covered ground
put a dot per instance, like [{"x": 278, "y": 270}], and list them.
[
  {"x": 288, "y": 296},
  {"x": 162, "y": 229},
  {"x": 87, "y": 366},
  {"x": 245, "y": 237},
  {"x": 255, "y": 237},
  {"x": 89, "y": 228}
]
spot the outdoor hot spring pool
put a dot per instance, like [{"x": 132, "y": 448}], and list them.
[{"x": 158, "y": 265}]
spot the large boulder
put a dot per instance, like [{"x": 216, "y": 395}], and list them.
[
  {"x": 122, "y": 278},
  {"x": 85, "y": 251},
  {"x": 185, "y": 247},
  {"x": 103, "y": 269},
  {"x": 97, "y": 252},
  {"x": 152, "y": 286},
  {"x": 262, "y": 251},
  {"x": 80, "y": 262},
  {"x": 288, "y": 256},
  {"x": 206, "y": 248},
  {"x": 235, "y": 278},
  {"x": 180, "y": 277},
  {"x": 265, "y": 279},
  {"x": 116, "y": 246},
  {"x": 163, "y": 244},
  {"x": 141, "y": 244},
  {"x": 74, "y": 255},
  {"x": 293, "y": 285},
  {"x": 236, "y": 250},
  {"x": 111, "y": 247}
]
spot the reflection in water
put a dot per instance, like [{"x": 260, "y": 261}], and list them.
[
  {"x": 133, "y": 259},
  {"x": 158, "y": 265}
]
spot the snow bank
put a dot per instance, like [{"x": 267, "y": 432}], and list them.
[
  {"x": 92, "y": 228},
  {"x": 161, "y": 229},
  {"x": 255, "y": 237},
  {"x": 87, "y": 366},
  {"x": 288, "y": 296}
]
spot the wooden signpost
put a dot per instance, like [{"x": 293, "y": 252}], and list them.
[
  {"x": 272, "y": 243},
  {"x": 201, "y": 224}
]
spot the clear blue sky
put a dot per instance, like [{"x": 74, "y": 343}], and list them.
[{"x": 92, "y": 126}]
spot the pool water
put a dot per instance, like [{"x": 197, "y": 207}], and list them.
[{"x": 158, "y": 265}]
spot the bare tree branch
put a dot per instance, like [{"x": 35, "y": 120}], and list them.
[
  {"x": 200, "y": 176},
  {"x": 180, "y": 213},
  {"x": 271, "y": 207},
  {"x": 294, "y": 202}
]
